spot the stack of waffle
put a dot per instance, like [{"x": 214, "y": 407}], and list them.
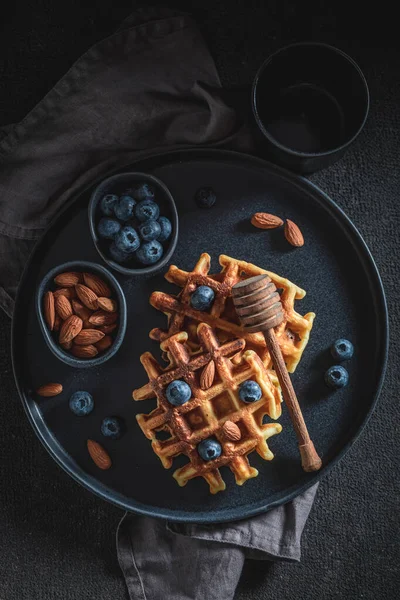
[{"x": 214, "y": 355}]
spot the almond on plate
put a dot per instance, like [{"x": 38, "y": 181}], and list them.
[
  {"x": 97, "y": 285},
  {"x": 266, "y": 221},
  {"x": 98, "y": 455},
  {"x": 293, "y": 234},
  {"x": 49, "y": 389},
  {"x": 87, "y": 296}
]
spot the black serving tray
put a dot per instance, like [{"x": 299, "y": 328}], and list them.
[{"x": 343, "y": 289}]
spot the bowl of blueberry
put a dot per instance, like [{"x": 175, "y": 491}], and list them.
[{"x": 134, "y": 223}]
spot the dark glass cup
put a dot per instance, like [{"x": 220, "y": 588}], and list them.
[{"x": 310, "y": 101}]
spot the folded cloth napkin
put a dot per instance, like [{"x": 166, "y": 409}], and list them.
[{"x": 150, "y": 86}]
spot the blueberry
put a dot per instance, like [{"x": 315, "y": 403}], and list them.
[
  {"x": 205, "y": 197},
  {"x": 108, "y": 203},
  {"x": 166, "y": 229},
  {"x": 124, "y": 208},
  {"x": 250, "y": 391},
  {"x": 81, "y": 403},
  {"x": 209, "y": 449},
  {"x": 127, "y": 240},
  {"x": 178, "y": 392},
  {"x": 108, "y": 228},
  {"x": 336, "y": 377},
  {"x": 142, "y": 191},
  {"x": 118, "y": 255},
  {"x": 150, "y": 230},
  {"x": 202, "y": 298},
  {"x": 342, "y": 350},
  {"x": 150, "y": 253},
  {"x": 147, "y": 209},
  {"x": 112, "y": 427}
]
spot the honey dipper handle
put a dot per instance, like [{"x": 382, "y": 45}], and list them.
[{"x": 309, "y": 456}]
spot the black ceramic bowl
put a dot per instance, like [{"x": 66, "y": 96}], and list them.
[
  {"x": 117, "y": 184},
  {"x": 47, "y": 284},
  {"x": 310, "y": 101}
]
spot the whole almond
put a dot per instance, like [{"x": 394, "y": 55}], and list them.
[
  {"x": 70, "y": 329},
  {"x": 67, "y": 345},
  {"x": 231, "y": 431},
  {"x": 107, "y": 304},
  {"x": 49, "y": 310},
  {"x": 98, "y": 455},
  {"x": 67, "y": 292},
  {"x": 107, "y": 329},
  {"x": 207, "y": 376},
  {"x": 66, "y": 280},
  {"x": 104, "y": 343},
  {"x": 49, "y": 389},
  {"x": 63, "y": 307},
  {"x": 86, "y": 296},
  {"x": 88, "y": 336},
  {"x": 57, "y": 323},
  {"x": 293, "y": 234},
  {"x": 84, "y": 351},
  {"x": 266, "y": 221},
  {"x": 97, "y": 285},
  {"x": 80, "y": 310},
  {"x": 103, "y": 318}
]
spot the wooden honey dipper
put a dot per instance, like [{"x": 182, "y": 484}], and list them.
[{"x": 259, "y": 308}]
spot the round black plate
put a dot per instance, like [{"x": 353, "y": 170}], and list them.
[{"x": 343, "y": 289}]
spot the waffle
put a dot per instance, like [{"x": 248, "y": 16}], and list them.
[
  {"x": 207, "y": 411},
  {"x": 292, "y": 334},
  {"x": 194, "y": 339}
]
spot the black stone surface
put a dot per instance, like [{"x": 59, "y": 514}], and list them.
[{"x": 57, "y": 541}]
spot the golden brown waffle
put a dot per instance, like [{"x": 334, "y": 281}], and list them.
[
  {"x": 204, "y": 415},
  {"x": 292, "y": 334}
]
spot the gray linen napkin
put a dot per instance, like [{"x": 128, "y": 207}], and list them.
[{"x": 150, "y": 86}]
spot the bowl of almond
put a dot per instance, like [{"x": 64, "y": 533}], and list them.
[{"x": 82, "y": 313}]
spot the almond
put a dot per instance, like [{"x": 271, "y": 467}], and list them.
[
  {"x": 84, "y": 351},
  {"x": 98, "y": 455},
  {"x": 88, "y": 336},
  {"x": 103, "y": 318},
  {"x": 49, "y": 310},
  {"x": 293, "y": 234},
  {"x": 63, "y": 307},
  {"x": 266, "y": 221},
  {"x": 49, "y": 390},
  {"x": 67, "y": 345},
  {"x": 104, "y": 343},
  {"x": 67, "y": 292},
  {"x": 107, "y": 329},
  {"x": 107, "y": 304},
  {"x": 80, "y": 310},
  {"x": 70, "y": 329},
  {"x": 97, "y": 285},
  {"x": 231, "y": 431},
  {"x": 87, "y": 296},
  {"x": 207, "y": 376},
  {"x": 57, "y": 323},
  {"x": 66, "y": 280}
]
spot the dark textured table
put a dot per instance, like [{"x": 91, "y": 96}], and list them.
[{"x": 56, "y": 540}]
